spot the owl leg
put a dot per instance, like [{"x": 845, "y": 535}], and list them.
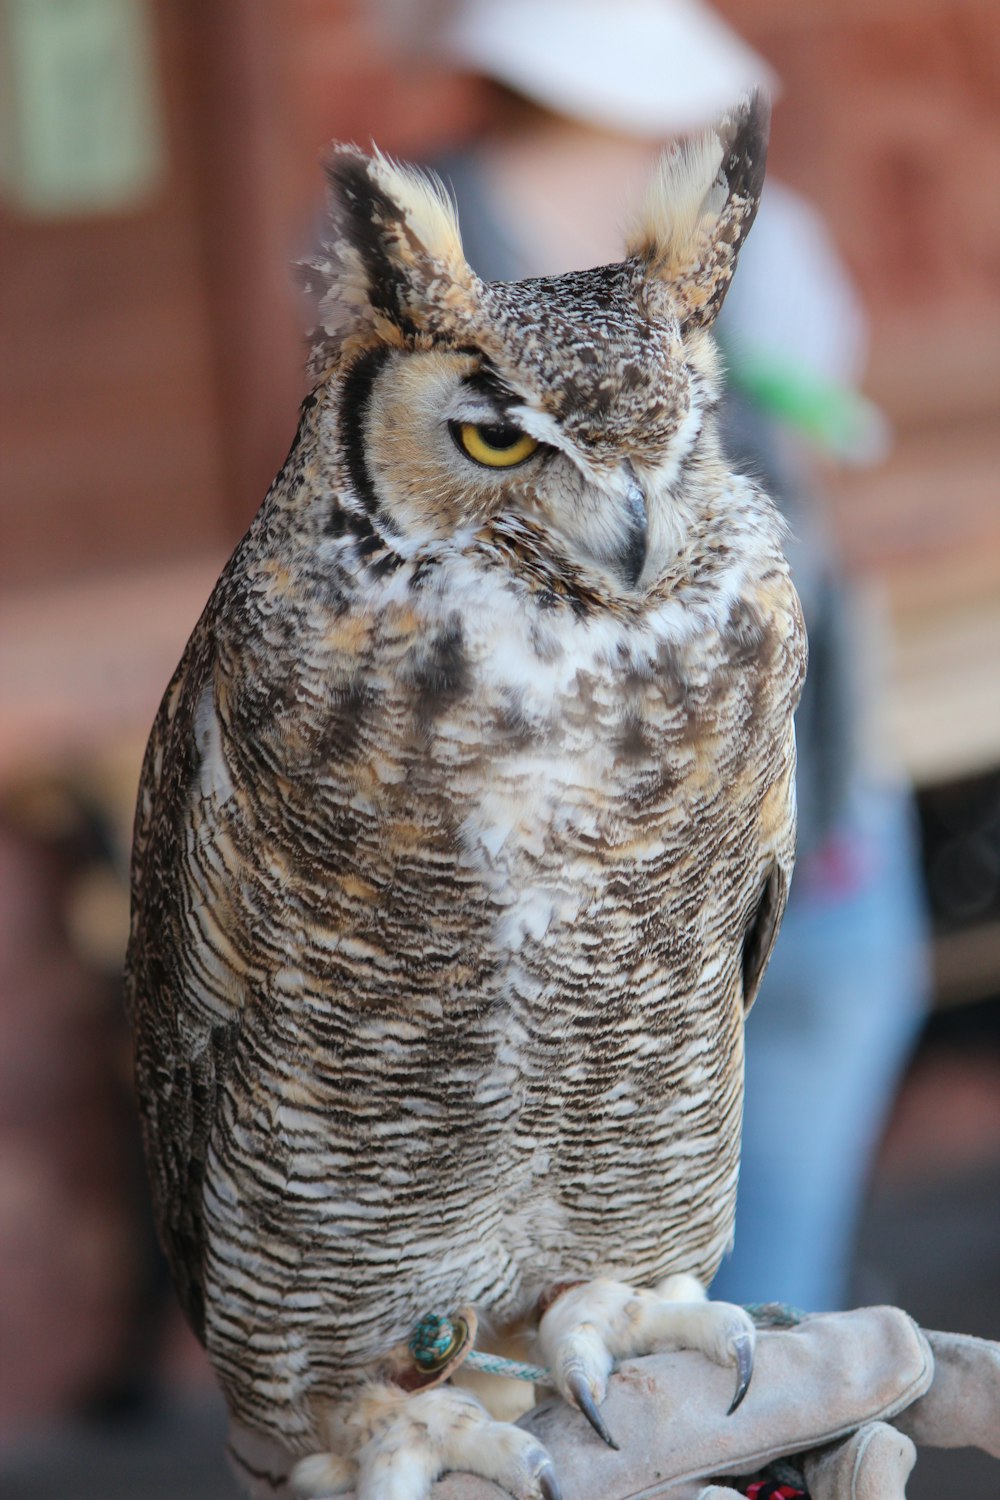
[
  {"x": 401, "y": 1443},
  {"x": 591, "y": 1326}
]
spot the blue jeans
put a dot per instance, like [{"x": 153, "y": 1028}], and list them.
[{"x": 826, "y": 1042}]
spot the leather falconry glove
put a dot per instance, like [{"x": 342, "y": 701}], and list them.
[{"x": 837, "y": 1403}]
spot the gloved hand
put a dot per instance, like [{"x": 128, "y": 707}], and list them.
[{"x": 839, "y": 1397}]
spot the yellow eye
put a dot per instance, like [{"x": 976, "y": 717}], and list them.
[{"x": 496, "y": 445}]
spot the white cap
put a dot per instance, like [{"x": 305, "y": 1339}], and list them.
[{"x": 651, "y": 68}]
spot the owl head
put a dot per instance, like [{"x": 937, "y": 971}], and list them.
[{"x": 575, "y": 405}]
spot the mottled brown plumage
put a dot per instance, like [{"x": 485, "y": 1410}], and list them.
[{"x": 466, "y": 822}]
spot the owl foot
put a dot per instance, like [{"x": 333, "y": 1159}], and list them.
[
  {"x": 402, "y": 1443},
  {"x": 591, "y": 1326}
]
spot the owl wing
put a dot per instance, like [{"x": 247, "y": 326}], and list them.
[
  {"x": 762, "y": 930},
  {"x": 178, "y": 1077}
]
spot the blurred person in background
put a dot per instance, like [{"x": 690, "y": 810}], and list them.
[{"x": 583, "y": 94}]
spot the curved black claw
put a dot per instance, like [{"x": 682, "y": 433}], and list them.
[
  {"x": 580, "y": 1391},
  {"x": 549, "y": 1484},
  {"x": 743, "y": 1349}
]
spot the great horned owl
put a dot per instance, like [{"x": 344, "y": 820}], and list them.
[{"x": 463, "y": 836}]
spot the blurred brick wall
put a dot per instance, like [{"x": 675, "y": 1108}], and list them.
[{"x": 108, "y": 420}]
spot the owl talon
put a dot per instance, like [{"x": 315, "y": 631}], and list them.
[
  {"x": 742, "y": 1347},
  {"x": 577, "y": 1387},
  {"x": 549, "y": 1484}
]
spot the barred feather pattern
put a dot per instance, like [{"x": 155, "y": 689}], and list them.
[{"x": 441, "y": 888}]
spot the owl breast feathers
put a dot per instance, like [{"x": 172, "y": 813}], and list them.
[{"x": 466, "y": 823}]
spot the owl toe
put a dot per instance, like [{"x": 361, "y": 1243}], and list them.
[
  {"x": 415, "y": 1440},
  {"x": 508, "y": 1455},
  {"x": 592, "y": 1326},
  {"x": 320, "y": 1475}
]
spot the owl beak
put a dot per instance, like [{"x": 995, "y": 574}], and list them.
[{"x": 636, "y": 538}]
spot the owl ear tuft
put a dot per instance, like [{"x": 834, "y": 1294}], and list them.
[
  {"x": 392, "y": 260},
  {"x": 699, "y": 208}
]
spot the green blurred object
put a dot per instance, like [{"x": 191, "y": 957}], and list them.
[
  {"x": 838, "y": 419},
  {"x": 81, "y": 126}
]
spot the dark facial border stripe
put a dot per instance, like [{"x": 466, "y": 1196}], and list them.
[{"x": 358, "y": 385}]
